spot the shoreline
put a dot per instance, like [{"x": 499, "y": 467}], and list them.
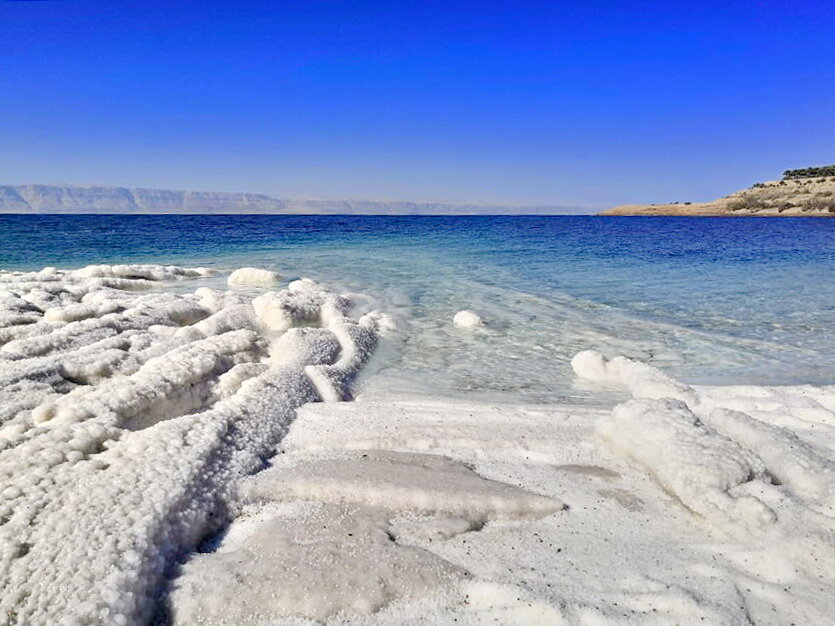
[{"x": 208, "y": 445}]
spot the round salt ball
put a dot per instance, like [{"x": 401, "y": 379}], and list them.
[
  {"x": 467, "y": 319},
  {"x": 589, "y": 364},
  {"x": 253, "y": 277}
]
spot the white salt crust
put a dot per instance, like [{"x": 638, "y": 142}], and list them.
[
  {"x": 670, "y": 518},
  {"x": 253, "y": 277},
  {"x": 135, "y": 422},
  {"x": 742, "y": 471},
  {"x": 126, "y": 420}
]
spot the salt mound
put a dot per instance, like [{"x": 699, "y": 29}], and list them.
[
  {"x": 253, "y": 277},
  {"x": 423, "y": 483},
  {"x": 333, "y": 560},
  {"x": 791, "y": 461},
  {"x": 747, "y": 475},
  {"x": 314, "y": 346},
  {"x": 467, "y": 319},
  {"x": 700, "y": 466}
]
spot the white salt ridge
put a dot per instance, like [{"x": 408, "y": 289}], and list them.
[
  {"x": 253, "y": 277},
  {"x": 642, "y": 380},
  {"x": 692, "y": 460},
  {"x": 127, "y": 419},
  {"x": 738, "y": 471},
  {"x": 802, "y": 466}
]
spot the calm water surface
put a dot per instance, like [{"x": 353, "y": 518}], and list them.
[{"x": 707, "y": 299}]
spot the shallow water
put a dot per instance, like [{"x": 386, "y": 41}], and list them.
[{"x": 707, "y": 300}]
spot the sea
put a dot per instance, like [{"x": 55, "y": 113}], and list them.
[{"x": 706, "y": 300}]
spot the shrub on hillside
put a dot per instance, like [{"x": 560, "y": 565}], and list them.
[
  {"x": 820, "y": 203},
  {"x": 747, "y": 203},
  {"x": 810, "y": 172}
]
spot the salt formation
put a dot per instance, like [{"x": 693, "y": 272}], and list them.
[
  {"x": 626, "y": 551},
  {"x": 422, "y": 483},
  {"x": 126, "y": 419},
  {"x": 253, "y": 277},
  {"x": 327, "y": 561},
  {"x": 740, "y": 470},
  {"x": 345, "y": 556},
  {"x": 700, "y": 466},
  {"x": 467, "y": 319},
  {"x": 642, "y": 380}
]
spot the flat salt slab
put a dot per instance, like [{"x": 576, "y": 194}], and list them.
[
  {"x": 467, "y": 431},
  {"x": 423, "y": 483},
  {"x": 253, "y": 277},
  {"x": 334, "y": 560}
]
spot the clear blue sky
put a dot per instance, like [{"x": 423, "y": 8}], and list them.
[{"x": 530, "y": 102}]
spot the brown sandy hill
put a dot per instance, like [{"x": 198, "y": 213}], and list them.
[{"x": 792, "y": 196}]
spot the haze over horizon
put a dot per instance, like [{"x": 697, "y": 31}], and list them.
[{"x": 544, "y": 103}]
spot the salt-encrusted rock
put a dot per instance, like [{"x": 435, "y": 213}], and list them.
[
  {"x": 642, "y": 380},
  {"x": 253, "y": 277},
  {"x": 467, "y": 319}
]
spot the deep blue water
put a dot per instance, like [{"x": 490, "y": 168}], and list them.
[{"x": 710, "y": 299}]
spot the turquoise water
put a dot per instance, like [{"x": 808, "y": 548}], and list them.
[{"x": 708, "y": 300}]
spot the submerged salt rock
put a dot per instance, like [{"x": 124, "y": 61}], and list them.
[
  {"x": 467, "y": 319},
  {"x": 424, "y": 483},
  {"x": 333, "y": 560},
  {"x": 642, "y": 380},
  {"x": 253, "y": 277}
]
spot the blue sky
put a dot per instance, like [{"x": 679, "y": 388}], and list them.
[{"x": 518, "y": 102}]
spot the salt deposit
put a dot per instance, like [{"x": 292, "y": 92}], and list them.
[
  {"x": 420, "y": 483},
  {"x": 688, "y": 528},
  {"x": 467, "y": 319},
  {"x": 253, "y": 277},
  {"x": 701, "y": 467},
  {"x": 327, "y": 561},
  {"x": 127, "y": 419},
  {"x": 165, "y": 455}
]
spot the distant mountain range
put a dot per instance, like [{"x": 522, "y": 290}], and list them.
[{"x": 95, "y": 199}]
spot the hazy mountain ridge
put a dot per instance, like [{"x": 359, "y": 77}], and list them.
[{"x": 100, "y": 199}]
